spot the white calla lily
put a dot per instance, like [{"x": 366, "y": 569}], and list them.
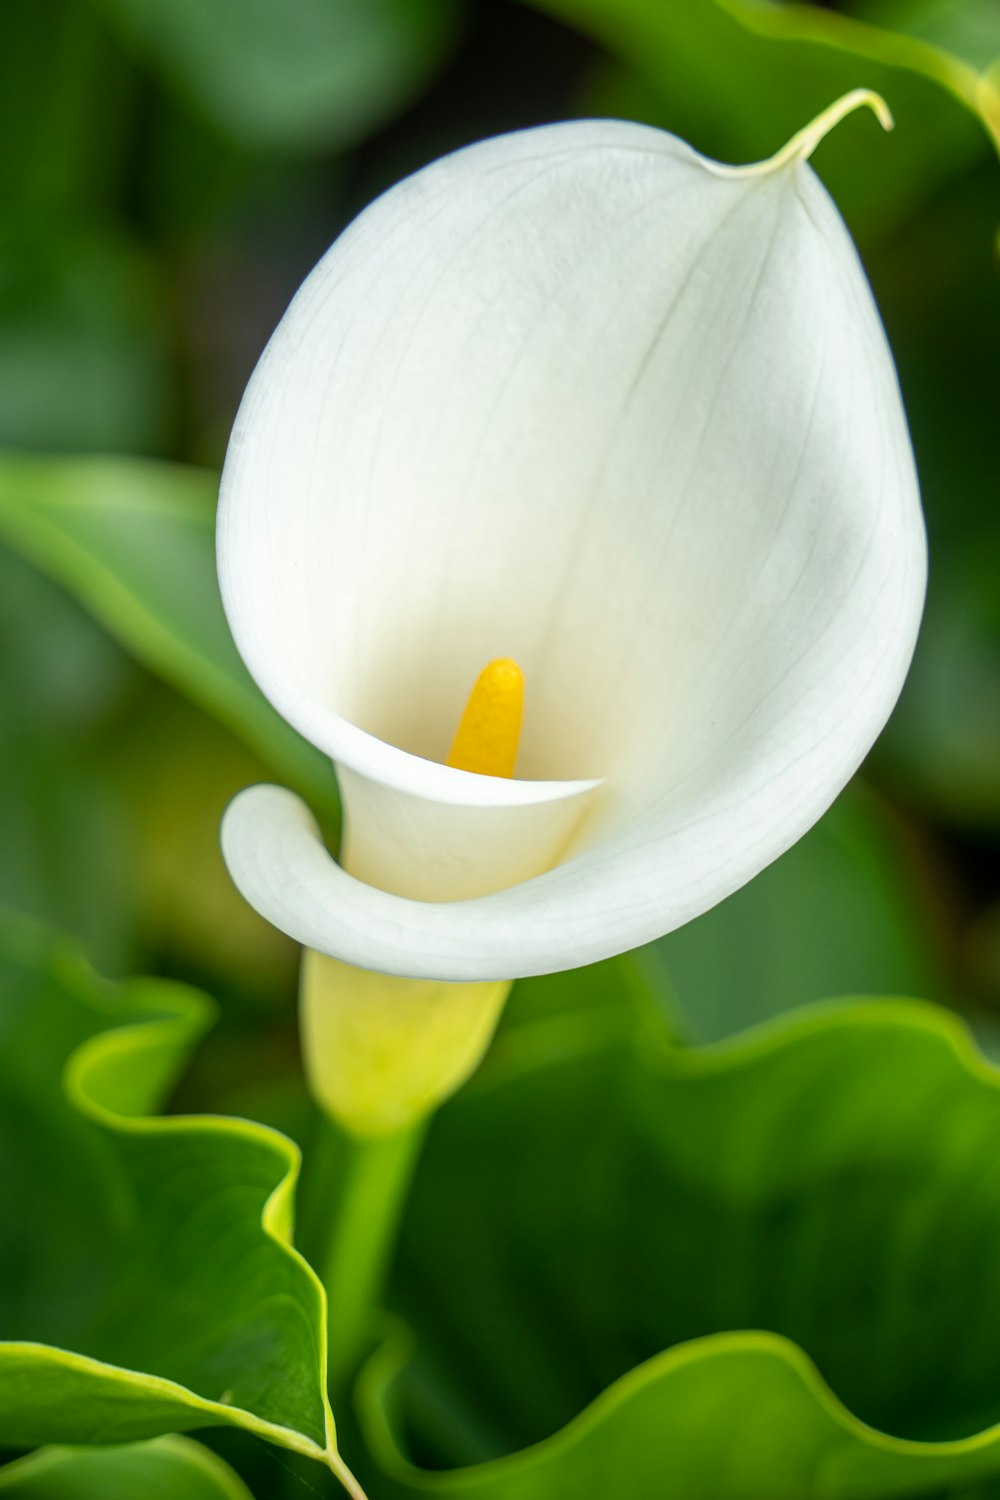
[{"x": 581, "y": 397}]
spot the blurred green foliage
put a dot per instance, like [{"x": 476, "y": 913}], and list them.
[
  {"x": 832, "y": 917},
  {"x": 170, "y": 170},
  {"x": 310, "y": 76},
  {"x": 135, "y": 542}
]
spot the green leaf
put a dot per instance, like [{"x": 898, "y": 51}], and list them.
[
  {"x": 738, "y": 77},
  {"x": 147, "y": 1279},
  {"x": 168, "y": 1468},
  {"x": 770, "y": 1266},
  {"x": 308, "y": 74},
  {"x": 843, "y": 912},
  {"x": 135, "y": 541},
  {"x": 632, "y": 983}
]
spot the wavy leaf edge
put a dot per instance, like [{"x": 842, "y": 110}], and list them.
[
  {"x": 56, "y": 1459},
  {"x": 181, "y": 1017},
  {"x": 538, "y": 1044}
]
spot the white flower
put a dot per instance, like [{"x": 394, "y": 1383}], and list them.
[{"x": 579, "y": 397}]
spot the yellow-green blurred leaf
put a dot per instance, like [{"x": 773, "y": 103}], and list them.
[{"x": 135, "y": 541}]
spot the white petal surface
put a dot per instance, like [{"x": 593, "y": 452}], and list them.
[{"x": 577, "y": 397}]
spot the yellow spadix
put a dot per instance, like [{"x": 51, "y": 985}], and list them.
[{"x": 487, "y": 736}]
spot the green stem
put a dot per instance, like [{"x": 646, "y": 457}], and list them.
[{"x": 359, "y": 1188}]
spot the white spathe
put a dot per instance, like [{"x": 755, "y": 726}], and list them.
[{"x": 580, "y": 397}]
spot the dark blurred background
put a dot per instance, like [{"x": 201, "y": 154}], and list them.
[{"x": 171, "y": 169}]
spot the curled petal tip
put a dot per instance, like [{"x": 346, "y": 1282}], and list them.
[{"x": 804, "y": 142}]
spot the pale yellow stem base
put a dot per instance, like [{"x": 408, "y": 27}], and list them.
[{"x": 381, "y": 1052}]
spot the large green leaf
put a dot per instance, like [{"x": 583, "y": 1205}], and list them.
[
  {"x": 305, "y": 74},
  {"x": 843, "y": 912},
  {"x": 147, "y": 1278},
  {"x": 633, "y": 983},
  {"x": 771, "y": 1266},
  {"x": 738, "y": 77},
  {"x": 134, "y": 541},
  {"x": 167, "y": 1468}
]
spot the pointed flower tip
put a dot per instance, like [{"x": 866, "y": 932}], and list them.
[{"x": 804, "y": 142}]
